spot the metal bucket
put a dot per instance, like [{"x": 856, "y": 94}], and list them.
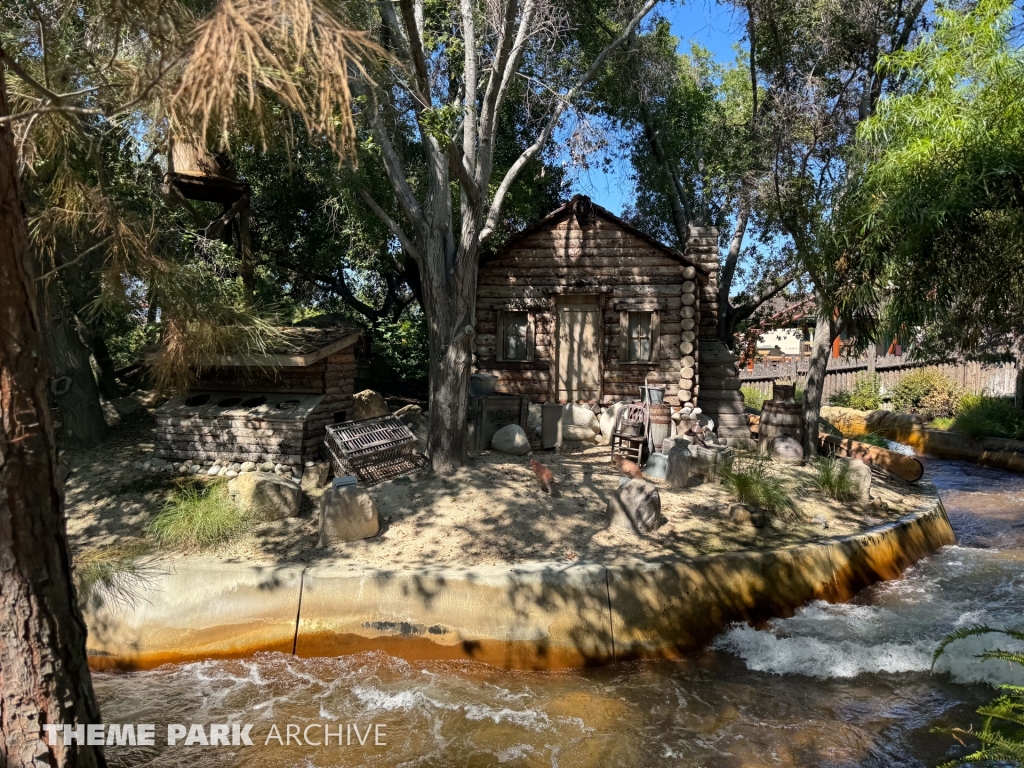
[{"x": 652, "y": 395}]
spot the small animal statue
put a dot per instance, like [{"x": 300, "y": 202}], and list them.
[
  {"x": 544, "y": 476},
  {"x": 628, "y": 468}
]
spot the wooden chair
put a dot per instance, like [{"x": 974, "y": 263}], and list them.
[{"x": 630, "y": 433}]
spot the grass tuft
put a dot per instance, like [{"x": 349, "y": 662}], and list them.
[
  {"x": 113, "y": 574},
  {"x": 198, "y": 516},
  {"x": 753, "y": 398},
  {"x": 983, "y": 416},
  {"x": 833, "y": 479},
  {"x": 752, "y": 482}
]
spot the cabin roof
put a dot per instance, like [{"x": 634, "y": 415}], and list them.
[
  {"x": 297, "y": 347},
  {"x": 582, "y": 205}
]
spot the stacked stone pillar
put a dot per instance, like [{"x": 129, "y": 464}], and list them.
[{"x": 718, "y": 392}]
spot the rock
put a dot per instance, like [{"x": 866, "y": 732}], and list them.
[
  {"x": 315, "y": 476},
  {"x": 195, "y": 469},
  {"x": 110, "y": 414},
  {"x": 409, "y": 414},
  {"x": 231, "y": 473},
  {"x": 145, "y": 398},
  {"x": 213, "y": 471},
  {"x": 369, "y": 404},
  {"x": 125, "y": 405},
  {"x": 741, "y": 513},
  {"x": 266, "y": 466},
  {"x": 786, "y": 450},
  {"x": 222, "y": 472},
  {"x": 820, "y": 520},
  {"x": 247, "y": 466},
  {"x": 185, "y": 469},
  {"x": 265, "y": 496},
  {"x": 635, "y": 506},
  {"x": 347, "y": 514},
  {"x": 607, "y": 422},
  {"x": 234, "y": 467},
  {"x": 573, "y": 432},
  {"x": 860, "y": 475},
  {"x": 580, "y": 416},
  {"x": 511, "y": 439}
]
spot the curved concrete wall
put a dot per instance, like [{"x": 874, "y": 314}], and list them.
[{"x": 537, "y": 616}]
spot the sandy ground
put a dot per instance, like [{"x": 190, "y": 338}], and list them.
[{"x": 492, "y": 511}]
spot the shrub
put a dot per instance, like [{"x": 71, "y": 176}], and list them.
[
  {"x": 1001, "y": 735},
  {"x": 926, "y": 392},
  {"x": 942, "y": 422},
  {"x": 866, "y": 395},
  {"x": 751, "y": 482},
  {"x": 873, "y": 438},
  {"x": 198, "y": 516},
  {"x": 833, "y": 479},
  {"x": 984, "y": 416},
  {"x": 753, "y": 398}
]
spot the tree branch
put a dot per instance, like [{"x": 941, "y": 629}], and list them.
[
  {"x": 530, "y": 152},
  {"x": 397, "y": 231},
  {"x": 396, "y": 174}
]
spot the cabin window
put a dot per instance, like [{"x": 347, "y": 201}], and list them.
[
  {"x": 515, "y": 336},
  {"x": 638, "y": 341}
]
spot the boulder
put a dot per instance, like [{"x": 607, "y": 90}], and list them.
[
  {"x": 511, "y": 439},
  {"x": 635, "y": 506},
  {"x": 607, "y": 421},
  {"x": 266, "y": 466},
  {"x": 368, "y": 404},
  {"x": 409, "y": 414},
  {"x": 265, "y": 496},
  {"x": 346, "y": 514},
  {"x": 247, "y": 466},
  {"x": 315, "y": 475},
  {"x": 421, "y": 428},
  {"x": 110, "y": 414},
  {"x": 577, "y": 433},
  {"x": 860, "y": 475},
  {"x": 786, "y": 450},
  {"x": 580, "y": 416}
]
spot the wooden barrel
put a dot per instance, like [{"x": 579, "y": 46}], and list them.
[
  {"x": 779, "y": 418},
  {"x": 661, "y": 424}
]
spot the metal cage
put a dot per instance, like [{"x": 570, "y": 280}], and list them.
[{"x": 373, "y": 449}]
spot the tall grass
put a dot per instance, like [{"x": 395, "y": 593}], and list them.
[
  {"x": 198, "y": 516},
  {"x": 114, "y": 574},
  {"x": 983, "y": 416},
  {"x": 751, "y": 482},
  {"x": 832, "y": 478}
]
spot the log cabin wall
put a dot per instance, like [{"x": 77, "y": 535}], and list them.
[{"x": 567, "y": 259}]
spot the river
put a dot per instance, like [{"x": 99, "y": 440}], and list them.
[{"x": 835, "y": 685}]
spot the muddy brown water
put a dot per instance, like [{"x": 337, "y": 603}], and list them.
[{"x": 835, "y": 685}]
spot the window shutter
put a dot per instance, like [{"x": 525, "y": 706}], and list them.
[
  {"x": 531, "y": 335},
  {"x": 655, "y": 337},
  {"x": 499, "y": 338},
  {"x": 623, "y": 336}
]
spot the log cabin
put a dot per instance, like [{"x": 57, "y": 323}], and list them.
[
  {"x": 583, "y": 307},
  {"x": 272, "y": 407}
]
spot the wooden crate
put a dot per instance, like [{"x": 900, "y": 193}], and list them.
[{"x": 487, "y": 415}]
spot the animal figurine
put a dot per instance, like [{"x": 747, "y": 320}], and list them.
[
  {"x": 544, "y": 476},
  {"x": 628, "y": 468}
]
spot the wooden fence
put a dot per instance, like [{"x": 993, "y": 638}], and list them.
[{"x": 843, "y": 372}]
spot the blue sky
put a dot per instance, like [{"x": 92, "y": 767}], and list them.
[{"x": 713, "y": 25}]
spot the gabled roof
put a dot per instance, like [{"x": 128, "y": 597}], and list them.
[
  {"x": 582, "y": 206},
  {"x": 297, "y": 348}
]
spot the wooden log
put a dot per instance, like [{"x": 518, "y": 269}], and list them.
[{"x": 909, "y": 468}]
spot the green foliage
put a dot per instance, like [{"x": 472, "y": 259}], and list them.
[
  {"x": 832, "y": 478},
  {"x": 939, "y": 218},
  {"x": 984, "y": 416},
  {"x": 927, "y": 392},
  {"x": 753, "y": 398},
  {"x": 402, "y": 345},
  {"x": 751, "y": 481},
  {"x": 198, "y": 516},
  {"x": 1001, "y": 736},
  {"x": 942, "y": 422},
  {"x": 873, "y": 438},
  {"x": 866, "y": 395}
]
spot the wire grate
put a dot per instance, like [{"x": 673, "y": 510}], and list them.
[{"x": 375, "y": 449}]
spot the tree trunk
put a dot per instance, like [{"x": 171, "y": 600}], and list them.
[
  {"x": 74, "y": 385},
  {"x": 44, "y": 677},
  {"x": 817, "y": 367},
  {"x": 109, "y": 387},
  {"x": 1018, "y": 389}
]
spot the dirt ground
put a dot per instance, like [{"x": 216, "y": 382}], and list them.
[{"x": 492, "y": 511}]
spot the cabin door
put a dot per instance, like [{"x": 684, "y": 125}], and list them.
[{"x": 578, "y": 356}]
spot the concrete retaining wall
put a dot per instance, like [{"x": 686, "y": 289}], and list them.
[{"x": 539, "y": 616}]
